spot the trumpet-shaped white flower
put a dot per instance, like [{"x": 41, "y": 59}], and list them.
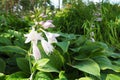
[
  {"x": 33, "y": 36},
  {"x": 47, "y": 24},
  {"x": 36, "y": 52},
  {"x": 48, "y": 48},
  {"x": 51, "y": 37}
]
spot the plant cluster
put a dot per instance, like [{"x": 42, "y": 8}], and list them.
[{"x": 80, "y": 43}]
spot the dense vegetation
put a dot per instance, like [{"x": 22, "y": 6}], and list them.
[{"x": 77, "y": 42}]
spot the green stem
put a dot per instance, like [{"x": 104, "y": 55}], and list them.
[{"x": 30, "y": 64}]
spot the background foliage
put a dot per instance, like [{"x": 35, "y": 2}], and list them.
[{"x": 75, "y": 56}]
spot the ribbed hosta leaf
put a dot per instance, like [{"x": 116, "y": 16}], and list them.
[
  {"x": 88, "y": 66},
  {"x": 13, "y": 49}
]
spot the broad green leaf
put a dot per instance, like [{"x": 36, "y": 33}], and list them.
[
  {"x": 64, "y": 45},
  {"x": 56, "y": 59},
  {"x": 2, "y": 65},
  {"x": 41, "y": 62},
  {"x": 19, "y": 43},
  {"x": 112, "y": 77},
  {"x": 52, "y": 64},
  {"x": 80, "y": 41},
  {"x": 97, "y": 45},
  {"x": 88, "y": 66},
  {"x": 115, "y": 68},
  {"x": 85, "y": 78},
  {"x": 42, "y": 76},
  {"x": 5, "y": 41},
  {"x": 23, "y": 64},
  {"x": 103, "y": 62},
  {"x": 17, "y": 76},
  {"x": 115, "y": 55},
  {"x": 75, "y": 49},
  {"x": 90, "y": 50},
  {"x": 14, "y": 49},
  {"x": 48, "y": 68}
]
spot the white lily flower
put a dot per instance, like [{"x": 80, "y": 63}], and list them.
[
  {"x": 33, "y": 36},
  {"x": 48, "y": 48},
  {"x": 51, "y": 37},
  {"x": 47, "y": 24},
  {"x": 36, "y": 52}
]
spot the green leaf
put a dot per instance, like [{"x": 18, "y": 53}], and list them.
[
  {"x": 115, "y": 68},
  {"x": 88, "y": 66},
  {"x": 85, "y": 78},
  {"x": 68, "y": 36},
  {"x": 2, "y": 65},
  {"x": 55, "y": 62},
  {"x": 23, "y": 64},
  {"x": 48, "y": 68},
  {"x": 80, "y": 41},
  {"x": 5, "y": 41},
  {"x": 49, "y": 65},
  {"x": 13, "y": 49},
  {"x": 64, "y": 45},
  {"x": 41, "y": 62},
  {"x": 112, "y": 77},
  {"x": 117, "y": 62},
  {"x": 42, "y": 76},
  {"x": 62, "y": 76},
  {"x": 56, "y": 59},
  {"x": 90, "y": 50},
  {"x": 103, "y": 62},
  {"x": 17, "y": 76},
  {"x": 115, "y": 55}
]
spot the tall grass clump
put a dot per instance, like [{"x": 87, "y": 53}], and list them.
[{"x": 71, "y": 18}]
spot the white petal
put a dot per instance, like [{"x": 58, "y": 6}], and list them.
[
  {"x": 33, "y": 36},
  {"x": 51, "y": 37},
  {"x": 36, "y": 52},
  {"x": 48, "y": 48},
  {"x": 47, "y": 24},
  {"x": 49, "y": 21}
]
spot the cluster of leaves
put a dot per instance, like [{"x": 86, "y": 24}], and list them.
[
  {"x": 77, "y": 17},
  {"x": 72, "y": 17},
  {"x": 75, "y": 57},
  {"x": 11, "y": 42},
  {"x": 108, "y": 26},
  {"x": 90, "y": 59},
  {"x": 13, "y": 22}
]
